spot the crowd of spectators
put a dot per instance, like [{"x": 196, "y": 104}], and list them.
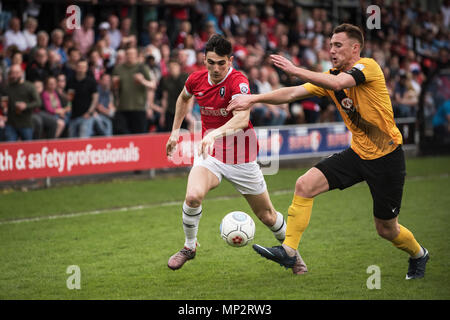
[{"x": 105, "y": 79}]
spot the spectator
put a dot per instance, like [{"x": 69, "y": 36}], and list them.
[
  {"x": 261, "y": 113},
  {"x": 405, "y": 97},
  {"x": 146, "y": 36},
  {"x": 17, "y": 58},
  {"x": 84, "y": 101},
  {"x": 155, "y": 72},
  {"x": 165, "y": 58},
  {"x": 84, "y": 37},
  {"x": 44, "y": 124},
  {"x": 108, "y": 54},
  {"x": 61, "y": 83},
  {"x": 132, "y": 81},
  {"x": 128, "y": 39},
  {"x": 3, "y": 112},
  {"x": 41, "y": 42},
  {"x": 39, "y": 69},
  {"x": 216, "y": 18},
  {"x": 445, "y": 9},
  {"x": 120, "y": 57},
  {"x": 69, "y": 67},
  {"x": 185, "y": 30},
  {"x": 105, "y": 107},
  {"x": 154, "y": 47},
  {"x": 115, "y": 36},
  {"x": 57, "y": 36},
  {"x": 14, "y": 36},
  {"x": 441, "y": 123},
  {"x": 103, "y": 30},
  {"x": 53, "y": 106},
  {"x": 199, "y": 61},
  {"x": 96, "y": 64},
  {"x": 54, "y": 62},
  {"x": 22, "y": 100},
  {"x": 171, "y": 86},
  {"x": 278, "y": 113},
  {"x": 30, "y": 32}
]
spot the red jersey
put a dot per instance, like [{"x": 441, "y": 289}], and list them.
[{"x": 213, "y": 100}]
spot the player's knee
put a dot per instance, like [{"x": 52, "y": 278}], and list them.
[
  {"x": 386, "y": 232},
  {"x": 303, "y": 189},
  {"x": 194, "y": 198}
]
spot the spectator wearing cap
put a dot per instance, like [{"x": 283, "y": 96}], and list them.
[{"x": 103, "y": 30}]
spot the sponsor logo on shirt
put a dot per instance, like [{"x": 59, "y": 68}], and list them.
[{"x": 208, "y": 111}]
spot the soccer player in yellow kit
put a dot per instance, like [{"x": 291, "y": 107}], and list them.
[{"x": 358, "y": 88}]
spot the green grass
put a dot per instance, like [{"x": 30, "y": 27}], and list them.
[{"x": 123, "y": 254}]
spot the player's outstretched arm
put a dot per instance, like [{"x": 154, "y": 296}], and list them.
[
  {"x": 279, "y": 96},
  {"x": 181, "y": 109},
  {"x": 238, "y": 122},
  {"x": 324, "y": 80}
]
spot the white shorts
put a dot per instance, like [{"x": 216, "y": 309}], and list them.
[{"x": 247, "y": 178}]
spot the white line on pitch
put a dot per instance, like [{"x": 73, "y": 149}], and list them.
[{"x": 171, "y": 203}]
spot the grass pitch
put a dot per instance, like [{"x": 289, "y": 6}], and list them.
[{"x": 121, "y": 234}]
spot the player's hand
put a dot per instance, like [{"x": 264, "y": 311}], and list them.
[
  {"x": 172, "y": 143},
  {"x": 239, "y": 103},
  {"x": 206, "y": 146},
  {"x": 284, "y": 64}
]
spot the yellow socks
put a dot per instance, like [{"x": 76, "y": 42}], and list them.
[
  {"x": 299, "y": 214},
  {"x": 405, "y": 241}
]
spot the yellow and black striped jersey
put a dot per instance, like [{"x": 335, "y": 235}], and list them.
[{"x": 366, "y": 110}]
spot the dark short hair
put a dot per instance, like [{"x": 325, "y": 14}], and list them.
[
  {"x": 352, "y": 31},
  {"x": 219, "y": 45},
  {"x": 83, "y": 60}
]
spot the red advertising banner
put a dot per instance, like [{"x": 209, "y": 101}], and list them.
[{"x": 66, "y": 157}]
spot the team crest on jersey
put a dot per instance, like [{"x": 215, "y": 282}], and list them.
[
  {"x": 347, "y": 104},
  {"x": 222, "y": 92},
  {"x": 244, "y": 88}
]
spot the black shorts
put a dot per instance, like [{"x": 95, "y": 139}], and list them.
[{"x": 385, "y": 177}]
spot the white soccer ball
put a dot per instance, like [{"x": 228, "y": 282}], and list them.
[{"x": 237, "y": 229}]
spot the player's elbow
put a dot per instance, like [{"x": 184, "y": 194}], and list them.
[{"x": 342, "y": 82}]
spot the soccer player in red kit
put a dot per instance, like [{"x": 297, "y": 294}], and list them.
[{"x": 228, "y": 148}]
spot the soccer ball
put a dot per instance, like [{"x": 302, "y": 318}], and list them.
[{"x": 237, "y": 229}]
